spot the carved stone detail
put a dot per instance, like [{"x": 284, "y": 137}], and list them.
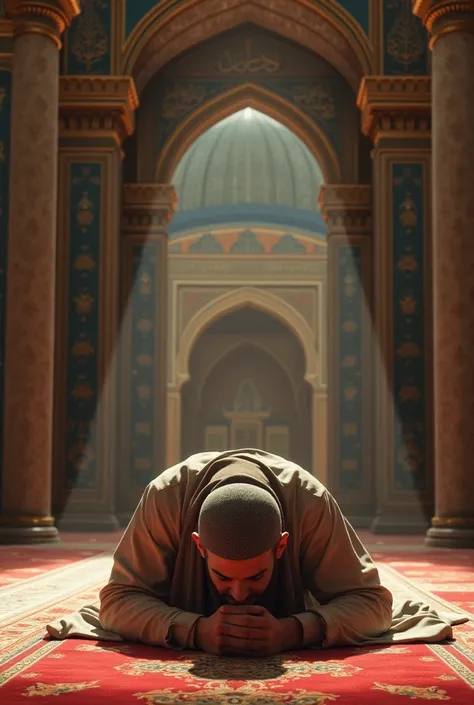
[
  {"x": 148, "y": 206},
  {"x": 441, "y": 17},
  {"x": 95, "y": 104},
  {"x": 325, "y": 25},
  {"x": 47, "y": 17},
  {"x": 347, "y": 209},
  {"x": 395, "y": 104}
]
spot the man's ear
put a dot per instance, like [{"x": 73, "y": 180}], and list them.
[
  {"x": 198, "y": 544},
  {"x": 282, "y": 544}
]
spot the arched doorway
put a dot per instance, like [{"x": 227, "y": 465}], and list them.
[{"x": 247, "y": 389}]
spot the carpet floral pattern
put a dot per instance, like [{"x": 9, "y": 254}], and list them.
[{"x": 77, "y": 672}]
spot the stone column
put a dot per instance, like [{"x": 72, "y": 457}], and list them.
[
  {"x": 96, "y": 114},
  {"x": 29, "y": 349},
  {"x": 451, "y": 26},
  {"x": 347, "y": 210},
  {"x": 396, "y": 115},
  {"x": 147, "y": 209}
]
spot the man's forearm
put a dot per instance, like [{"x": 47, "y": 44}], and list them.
[
  {"x": 302, "y": 630},
  {"x": 312, "y": 629},
  {"x": 136, "y": 616}
]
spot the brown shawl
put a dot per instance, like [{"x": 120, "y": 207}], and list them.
[{"x": 189, "y": 584}]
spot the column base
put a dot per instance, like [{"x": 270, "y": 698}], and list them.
[
  {"x": 90, "y": 522},
  {"x": 438, "y": 537},
  {"x": 400, "y": 525},
  {"x": 10, "y": 535}
]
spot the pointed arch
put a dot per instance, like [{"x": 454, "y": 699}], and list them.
[
  {"x": 165, "y": 32},
  {"x": 258, "y": 345},
  {"x": 256, "y": 298},
  {"x": 238, "y": 98}
]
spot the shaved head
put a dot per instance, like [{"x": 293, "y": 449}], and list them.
[{"x": 239, "y": 521}]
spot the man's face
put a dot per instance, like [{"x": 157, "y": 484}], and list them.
[{"x": 242, "y": 582}]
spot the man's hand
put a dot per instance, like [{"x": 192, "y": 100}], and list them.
[{"x": 245, "y": 630}]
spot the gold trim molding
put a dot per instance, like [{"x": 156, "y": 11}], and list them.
[
  {"x": 346, "y": 208},
  {"x": 453, "y": 522},
  {"x": 148, "y": 207},
  {"x": 49, "y": 18},
  {"x": 6, "y": 28},
  {"x": 442, "y": 17},
  {"x": 395, "y": 105},
  {"x": 19, "y": 521},
  {"x": 97, "y": 106}
]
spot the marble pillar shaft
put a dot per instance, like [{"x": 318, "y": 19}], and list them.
[
  {"x": 29, "y": 355},
  {"x": 451, "y": 29},
  {"x": 453, "y": 174}
]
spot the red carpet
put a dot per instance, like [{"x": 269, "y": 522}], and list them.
[
  {"x": 91, "y": 673},
  {"x": 84, "y": 673},
  {"x": 17, "y": 564}
]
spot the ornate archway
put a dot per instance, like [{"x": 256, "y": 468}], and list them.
[
  {"x": 164, "y": 33},
  {"x": 248, "y": 399},
  {"x": 292, "y": 319},
  {"x": 238, "y": 98},
  {"x": 248, "y": 296}
]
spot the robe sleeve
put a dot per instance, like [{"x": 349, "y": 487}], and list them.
[
  {"x": 133, "y": 603},
  {"x": 339, "y": 573}
]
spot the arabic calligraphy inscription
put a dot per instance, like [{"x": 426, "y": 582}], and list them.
[{"x": 248, "y": 62}]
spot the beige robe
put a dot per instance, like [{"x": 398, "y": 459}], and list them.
[{"x": 156, "y": 591}]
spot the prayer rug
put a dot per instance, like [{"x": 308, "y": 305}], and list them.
[{"x": 77, "y": 672}]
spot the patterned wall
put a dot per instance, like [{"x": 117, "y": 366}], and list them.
[
  {"x": 319, "y": 98},
  {"x": 409, "y": 326},
  {"x": 5, "y": 111},
  {"x": 351, "y": 354},
  {"x": 405, "y": 40},
  {"x": 247, "y": 241},
  {"x": 83, "y": 323},
  {"x": 141, "y": 466},
  {"x": 88, "y": 41}
]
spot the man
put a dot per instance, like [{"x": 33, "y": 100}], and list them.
[{"x": 245, "y": 553}]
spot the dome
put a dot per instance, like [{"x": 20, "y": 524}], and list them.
[{"x": 248, "y": 158}]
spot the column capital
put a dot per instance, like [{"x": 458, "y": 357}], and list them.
[
  {"x": 97, "y": 106},
  {"x": 148, "y": 207},
  {"x": 442, "y": 17},
  {"x": 47, "y": 17},
  {"x": 346, "y": 208},
  {"x": 395, "y": 106}
]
